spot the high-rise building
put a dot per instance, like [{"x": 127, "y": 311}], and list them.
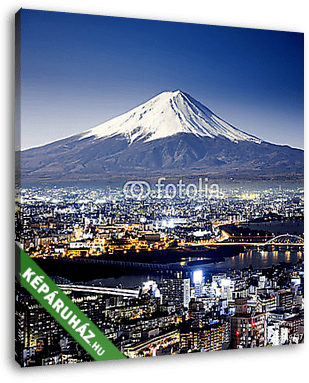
[
  {"x": 266, "y": 303},
  {"x": 196, "y": 313},
  {"x": 176, "y": 291},
  {"x": 36, "y": 330},
  {"x": 247, "y": 329},
  {"x": 285, "y": 300},
  {"x": 208, "y": 338}
]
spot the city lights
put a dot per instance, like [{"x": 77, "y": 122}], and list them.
[
  {"x": 227, "y": 302},
  {"x": 197, "y": 277}
]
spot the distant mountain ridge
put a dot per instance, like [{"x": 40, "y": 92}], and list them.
[{"x": 170, "y": 134}]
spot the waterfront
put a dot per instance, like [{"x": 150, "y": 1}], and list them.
[
  {"x": 194, "y": 266},
  {"x": 257, "y": 260},
  {"x": 101, "y": 275}
]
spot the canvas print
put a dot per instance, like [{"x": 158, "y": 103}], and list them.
[{"x": 159, "y": 188}]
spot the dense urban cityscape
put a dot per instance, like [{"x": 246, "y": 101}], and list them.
[
  {"x": 162, "y": 276},
  {"x": 159, "y": 195}
]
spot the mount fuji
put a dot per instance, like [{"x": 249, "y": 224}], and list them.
[
  {"x": 171, "y": 134},
  {"x": 166, "y": 115}
]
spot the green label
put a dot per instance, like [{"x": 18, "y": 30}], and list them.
[{"x": 66, "y": 313}]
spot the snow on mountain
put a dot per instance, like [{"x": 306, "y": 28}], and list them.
[
  {"x": 171, "y": 134},
  {"x": 166, "y": 115}
]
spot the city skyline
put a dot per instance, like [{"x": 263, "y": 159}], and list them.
[
  {"x": 162, "y": 276},
  {"x": 177, "y": 227},
  {"x": 76, "y": 75}
]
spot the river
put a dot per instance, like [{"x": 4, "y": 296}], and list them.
[
  {"x": 250, "y": 258},
  {"x": 216, "y": 261}
]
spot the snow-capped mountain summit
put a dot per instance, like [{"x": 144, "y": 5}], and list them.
[
  {"x": 165, "y": 115},
  {"x": 170, "y": 135}
]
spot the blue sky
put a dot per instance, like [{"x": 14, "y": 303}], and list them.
[{"x": 78, "y": 71}]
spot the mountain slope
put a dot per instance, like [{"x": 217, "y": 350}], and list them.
[
  {"x": 171, "y": 134},
  {"x": 165, "y": 115}
]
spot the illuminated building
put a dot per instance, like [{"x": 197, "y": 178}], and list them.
[
  {"x": 78, "y": 252},
  {"x": 128, "y": 309},
  {"x": 266, "y": 303},
  {"x": 154, "y": 346},
  {"x": 247, "y": 330},
  {"x": 151, "y": 286},
  {"x": 198, "y": 282},
  {"x": 285, "y": 300},
  {"x": 277, "y": 334},
  {"x": 36, "y": 331},
  {"x": 208, "y": 338},
  {"x": 295, "y": 326},
  {"x": 196, "y": 312},
  {"x": 176, "y": 291}
]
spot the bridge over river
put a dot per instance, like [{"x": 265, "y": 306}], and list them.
[
  {"x": 79, "y": 264},
  {"x": 284, "y": 240},
  {"x": 172, "y": 266}
]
